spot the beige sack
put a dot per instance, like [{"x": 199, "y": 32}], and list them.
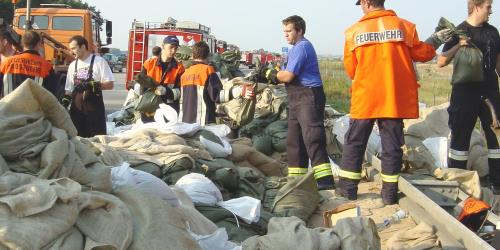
[{"x": 421, "y": 237}]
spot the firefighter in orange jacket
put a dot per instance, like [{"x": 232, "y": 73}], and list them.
[
  {"x": 379, "y": 53},
  {"x": 201, "y": 89},
  {"x": 28, "y": 64},
  {"x": 166, "y": 71}
]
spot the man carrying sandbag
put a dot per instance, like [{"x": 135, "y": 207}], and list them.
[
  {"x": 379, "y": 53},
  {"x": 201, "y": 89},
  {"x": 165, "y": 71},
  {"x": 466, "y": 105}
]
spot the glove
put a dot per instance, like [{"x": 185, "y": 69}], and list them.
[
  {"x": 440, "y": 37},
  {"x": 247, "y": 91},
  {"x": 93, "y": 86},
  {"x": 165, "y": 92},
  {"x": 65, "y": 101},
  {"x": 160, "y": 90},
  {"x": 272, "y": 76}
]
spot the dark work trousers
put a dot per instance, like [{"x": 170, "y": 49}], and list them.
[
  {"x": 88, "y": 114},
  {"x": 466, "y": 105},
  {"x": 356, "y": 140},
  {"x": 306, "y": 132}
]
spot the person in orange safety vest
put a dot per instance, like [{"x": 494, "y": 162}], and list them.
[
  {"x": 166, "y": 71},
  {"x": 16, "y": 69},
  {"x": 379, "y": 53}
]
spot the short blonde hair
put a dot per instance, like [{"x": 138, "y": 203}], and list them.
[{"x": 475, "y": 3}]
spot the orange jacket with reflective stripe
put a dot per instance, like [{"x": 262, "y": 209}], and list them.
[
  {"x": 154, "y": 70},
  {"x": 378, "y": 55},
  {"x": 28, "y": 64},
  {"x": 200, "y": 90}
]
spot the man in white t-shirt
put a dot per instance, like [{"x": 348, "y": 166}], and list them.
[{"x": 87, "y": 76}]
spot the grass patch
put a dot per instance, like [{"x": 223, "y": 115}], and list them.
[{"x": 434, "y": 82}]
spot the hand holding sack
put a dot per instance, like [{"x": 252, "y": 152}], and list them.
[
  {"x": 468, "y": 61},
  {"x": 272, "y": 76},
  {"x": 247, "y": 91},
  {"x": 65, "y": 101}
]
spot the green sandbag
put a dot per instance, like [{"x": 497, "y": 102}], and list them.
[
  {"x": 263, "y": 143},
  {"x": 251, "y": 183},
  {"x": 257, "y": 125},
  {"x": 208, "y": 135},
  {"x": 278, "y": 131},
  {"x": 238, "y": 231},
  {"x": 183, "y": 53},
  {"x": 149, "y": 167},
  {"x": 298, "y": 197},
  {"x": 145, "y": 81},
  {"x": 173, "y": 171},
  {"x": 148, "y": 102},
  {"x": 468, "y": 65},
  {"x": 247, "y": 111},
  {"x": 468, "y": 61},
  {"x": 279, "y": 141}
]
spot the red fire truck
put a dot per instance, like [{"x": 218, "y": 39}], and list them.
[
  {"x": 144, "y": 36},
  {"x": 250, "y": 58}
]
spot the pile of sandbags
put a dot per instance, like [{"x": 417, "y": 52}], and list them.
[{"x": 53, "y": 183}]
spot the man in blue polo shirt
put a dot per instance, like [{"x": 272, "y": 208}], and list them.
[{"x": 306, "y": 131}]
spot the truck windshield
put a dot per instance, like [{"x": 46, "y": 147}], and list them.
[
  {"x": 67, "y": 23},
  {"x": 39, "y": 22}
]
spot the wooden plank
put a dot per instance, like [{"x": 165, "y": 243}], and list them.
[{"x": 453, "y": 227}]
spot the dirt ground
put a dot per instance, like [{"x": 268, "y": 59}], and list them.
[{"x": 371, "y": 206}]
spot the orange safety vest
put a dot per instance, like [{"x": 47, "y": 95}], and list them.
[
  {"x": 16, "y": 68},
  {"x": 154, "y": 70},
  {"x": 378, "y": 55},
  {"x": 194, "y": 107}
]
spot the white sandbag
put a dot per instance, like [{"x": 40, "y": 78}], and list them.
[
  {"x": 200, "y": 189},
  {"x": 124, "y": 175},
  {"x": 340, "y": 127},
  {"x": 438, "y": 146},
  {"x": 245, "y": 207},
  {"x": 215, "y": 149},
  {"x": 166, "y": 115},
  {"x": 179, "y": 128},
  {"x": 110, "y": 128},
  {"x": 221, "y": 130},
  {"x": 218, "y": 240}
]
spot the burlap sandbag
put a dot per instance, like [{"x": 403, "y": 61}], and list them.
[
  {"x": 292, "y": 233},
  {"x": 198, "y": 223},
  {"x": 298, "y": 197},
  {"x": 41, "y": 139},
  {"x": 269, "y": 166},
  {"x": 420, "y": 237},
  {"x": 358, "y": 233},
  {"x": 29, "y": 205},
  {"x": 157, "y": 225},
  {"x": 416, "y": 155},
  {"x": 468, "y": 180}
]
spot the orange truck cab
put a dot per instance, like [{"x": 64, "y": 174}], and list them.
[{"x": 57, "y": 26}]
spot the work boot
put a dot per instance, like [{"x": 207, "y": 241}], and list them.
[
  {"x": 389, "y": 193},
  {"x": 347, "y": 189},
  {"x": 326, "y": 183}
]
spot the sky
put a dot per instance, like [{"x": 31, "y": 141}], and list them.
[{"x": 255, "y": 24}]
